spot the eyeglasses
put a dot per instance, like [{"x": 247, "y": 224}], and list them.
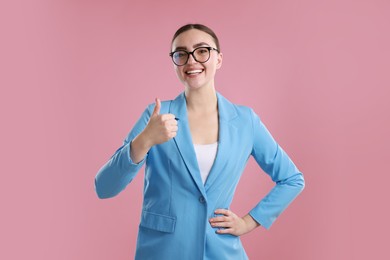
[{"x": 200, "y": 54}]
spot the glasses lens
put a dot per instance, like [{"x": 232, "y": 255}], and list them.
[
  {"x": 180, "y": 57},
  {"x": 202, "y": 54}
]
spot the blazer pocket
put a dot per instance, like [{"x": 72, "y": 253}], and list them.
[{"x": 158, "y": 222}]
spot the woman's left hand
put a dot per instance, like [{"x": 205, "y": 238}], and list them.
[{"x": 232, "y": 224}]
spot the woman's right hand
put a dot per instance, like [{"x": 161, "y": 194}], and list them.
[{"x": 160, "y": 128}]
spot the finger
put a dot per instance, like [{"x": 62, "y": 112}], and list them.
[
  {"x": 225, "y": 231},
  {"x": 157, "y": 107},
  {"x": 219, "y": 219},
  {"x": 170, "y": 122},
  {"x": 223, "y": 212},
  {"x": 166, "y": 117},
  {"x": 174, "y": 128},
  {"x": 222, "y": 224}
]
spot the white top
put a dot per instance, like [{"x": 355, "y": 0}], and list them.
[{"x": 205, "y": 153}]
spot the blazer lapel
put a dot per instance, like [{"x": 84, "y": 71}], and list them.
[
  {"x": 183, "y": 139},
  {"x": 184, "y": 142},
  {"x": 227, "y": 132}
]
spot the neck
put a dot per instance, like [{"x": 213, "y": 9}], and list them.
[{"x": 201, "y": 100}]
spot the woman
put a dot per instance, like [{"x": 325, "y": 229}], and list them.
[{"x": 195, "y": 148}]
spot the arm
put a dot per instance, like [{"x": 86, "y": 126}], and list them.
[
  {"x": 289, "y": 183},
  {"x": 276, "y": 163},
  {"x": 120, "y": 170}
]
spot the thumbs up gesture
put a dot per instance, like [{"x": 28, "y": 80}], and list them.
[{"x": 161, "y": 127}]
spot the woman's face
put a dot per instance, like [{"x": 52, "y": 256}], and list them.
[{"x": 196, "y": 75}]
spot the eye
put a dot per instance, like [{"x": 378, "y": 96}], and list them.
[
  {"x": 180, "y": 54},
  {"x": 202, "y": 51}
]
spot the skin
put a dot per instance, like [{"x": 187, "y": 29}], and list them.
[{"x": 202, "y": 112}]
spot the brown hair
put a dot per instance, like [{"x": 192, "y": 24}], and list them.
[{"x": 199, "y": 27}]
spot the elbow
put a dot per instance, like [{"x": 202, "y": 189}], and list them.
[
  {"x": 300, "y": 181},
  {"x": 297, "y": 181},
  {"x": 102, "y": 195},
  {"x": 101, "y": 192},
  {"x": 302, "y": 186}
]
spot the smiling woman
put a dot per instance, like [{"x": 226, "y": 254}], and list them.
[
  {"x": 196, "y": 68},
  {"x": 195, "y": 148}
]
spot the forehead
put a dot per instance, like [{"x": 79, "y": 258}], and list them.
[{"x": 192, "y": 37}]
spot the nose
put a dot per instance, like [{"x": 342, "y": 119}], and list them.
[{"x": 191, "y": 59}]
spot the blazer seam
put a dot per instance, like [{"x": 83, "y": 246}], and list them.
[
  {"x": 170, "y": 192},
  {"x": 253, "y": 131}
]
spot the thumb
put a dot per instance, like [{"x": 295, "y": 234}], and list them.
[{"x": 157, "y": 107}]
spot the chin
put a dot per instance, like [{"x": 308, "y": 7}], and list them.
[{"x": 194, "y": 86}]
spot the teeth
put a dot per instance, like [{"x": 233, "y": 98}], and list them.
[{"x": 194, "y": 71}]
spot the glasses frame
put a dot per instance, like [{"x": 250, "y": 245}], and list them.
[{"x": 192, "y": 53}]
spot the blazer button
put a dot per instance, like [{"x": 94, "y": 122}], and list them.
[{"x": 202, "y": 199}]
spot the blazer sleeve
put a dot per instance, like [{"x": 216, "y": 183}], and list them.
[
  {"x": 274, "y": 161},
  {"x": 120, "y": 170}
]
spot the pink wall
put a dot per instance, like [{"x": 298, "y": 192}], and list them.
[{"x": 75, "y": 75}]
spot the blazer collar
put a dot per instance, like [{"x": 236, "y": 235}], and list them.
[{"x": 183, "y": 139}]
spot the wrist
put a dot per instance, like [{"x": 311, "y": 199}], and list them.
[
  {"x": 144, "y": 141},
  {"x": 250, "y": 222}
]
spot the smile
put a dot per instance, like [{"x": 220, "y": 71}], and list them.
[{"x": 194, "y": 72}]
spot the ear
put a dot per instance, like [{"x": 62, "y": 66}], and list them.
[{"x": 219, "y": 60}]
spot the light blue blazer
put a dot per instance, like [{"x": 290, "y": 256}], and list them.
[{"x": 177, "y": 205}]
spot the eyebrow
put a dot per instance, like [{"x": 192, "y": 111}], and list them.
[{"x": 194, "y": 46}]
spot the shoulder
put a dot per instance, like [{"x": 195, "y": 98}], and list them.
[
  {"x": 234, "y": 110},
  {"x": 242, "y": 109}
]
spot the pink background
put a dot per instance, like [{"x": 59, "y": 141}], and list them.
[{"x": 76, "y": 75}]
